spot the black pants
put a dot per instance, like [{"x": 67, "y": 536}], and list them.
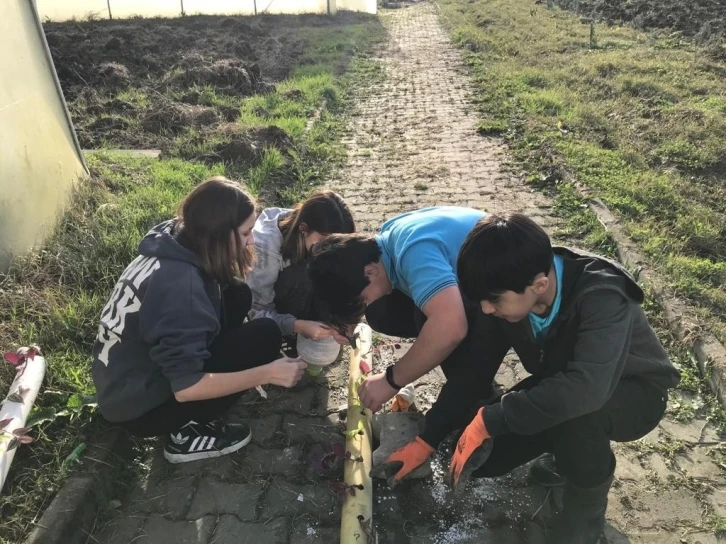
[
  {"x": 397, "y": 315},
  {"x": 238, "y": 346},
  {"x": 582, "y": 445}
]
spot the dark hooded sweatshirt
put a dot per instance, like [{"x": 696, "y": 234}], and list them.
[
  {"x": 156, "y": 329},
  {"x": 599, "y": 336}
]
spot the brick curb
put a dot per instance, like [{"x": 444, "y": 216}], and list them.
[
  {"x": 70, "y": 517},
  {"x": 709, "y": 353}
]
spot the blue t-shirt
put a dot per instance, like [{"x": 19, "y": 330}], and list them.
[
  {"x": 420, "y": 248},
  {"x": 541, "y": 324}
]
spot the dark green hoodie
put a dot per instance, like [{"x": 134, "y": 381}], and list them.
[{"x": 599, "y": 336}]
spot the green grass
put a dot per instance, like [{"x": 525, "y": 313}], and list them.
[
  {"x": 640, "y": 119},
  {"x": 53, "y": 297}
]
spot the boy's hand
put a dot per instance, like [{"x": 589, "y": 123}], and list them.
[
  {"x": 403, "y": 461},
  {"x": 374, "y": 392},
  {"x": 471, "y": 451}
]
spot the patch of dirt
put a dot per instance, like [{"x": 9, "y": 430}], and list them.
[
  {"x": 142, "y": 82},
  {"x": 237, "y": 145},
  {"x": 703, "y": 19}
]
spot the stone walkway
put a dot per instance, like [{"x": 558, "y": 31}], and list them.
[{"x": 412, "y": 143}]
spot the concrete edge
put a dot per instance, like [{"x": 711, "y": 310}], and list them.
[
  {"x": 709, "y": 353},
  {"x": 71, "y": 515}
]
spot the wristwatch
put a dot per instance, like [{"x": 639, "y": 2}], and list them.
[{"x": 389, "y": 379}]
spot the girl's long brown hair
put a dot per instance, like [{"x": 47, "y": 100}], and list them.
[
  {"x": 324, "y": 212},
  {"x": 209, "y": 218}
]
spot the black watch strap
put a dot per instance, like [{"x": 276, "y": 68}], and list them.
[{"x": 389, "y": 379}]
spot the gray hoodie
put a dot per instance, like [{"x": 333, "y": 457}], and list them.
[
  {"x": 269, "y": 264},
  {"x": 156, "y": 329}
]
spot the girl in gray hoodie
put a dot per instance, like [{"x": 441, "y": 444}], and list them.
[{"x": 283, "y": 237}]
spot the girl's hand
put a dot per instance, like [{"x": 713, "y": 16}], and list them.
[
  {"x": 313, "y": 329},
  {"x": 285, "y": 372}
]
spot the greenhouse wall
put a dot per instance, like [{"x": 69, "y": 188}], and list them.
[{"x": 103, "y": 9}]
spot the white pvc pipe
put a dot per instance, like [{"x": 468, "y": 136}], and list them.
[
  {"x": 26, "y": 386},
  {"x": 356, "y": 517}
]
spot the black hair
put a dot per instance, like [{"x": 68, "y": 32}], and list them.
[
  {"x": 337, "y": 274},
  {"x": 502, "y": 253}
]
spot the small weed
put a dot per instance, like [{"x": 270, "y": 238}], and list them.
[
  {"x": 717, "y": 523},
  {"x": 420, "y": 186}
]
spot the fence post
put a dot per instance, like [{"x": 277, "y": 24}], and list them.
[
  {"x": 182, "y": 8},
  {"x": 110, "y": 15},
  {"x": 255, "y": 4},
  {"x": 332, "y": 7}
]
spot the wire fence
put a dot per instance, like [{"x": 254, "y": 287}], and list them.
[{"x": 117, "y": 9}]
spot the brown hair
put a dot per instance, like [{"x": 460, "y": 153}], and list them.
[
  {"x": 324, "y": 212},
  {"x": 209, "y": 218}
]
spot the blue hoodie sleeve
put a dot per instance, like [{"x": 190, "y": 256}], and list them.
[{"x": 178, "y": 320}]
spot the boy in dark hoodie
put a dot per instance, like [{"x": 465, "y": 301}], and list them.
[{"x": 599, "y": 373}]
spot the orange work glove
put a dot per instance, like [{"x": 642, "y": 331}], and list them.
[
  {"x": 471, "y": 451},
  {"x": 404, "y": 460}
]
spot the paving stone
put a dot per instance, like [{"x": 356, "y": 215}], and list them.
[
  {"x": 664, "y": 507},
  {"x": 464, "y": 532},
  {"x": 717, "y": 499},
  {"x": 396, "y": 429},
  {"x": 506, "y": 377},
  {"x": 628, "y": 467},
  {"x": 306, "y": 430},
  {"x": 282, "y": 462},
  {"x": 711, "y": 434},
  {"x": 121, "y": 531},
  {"x": 698, "y": 464},
  {"x": 266, "y": 430},
  {"x": 215, "y": 498},
  {"x": 298, "y": 400},
  {"x": 660, "y": 467},
  {"x": 161, "y": 531},
  {"x": 307, "y": 532},
  {"x": 333, "y": 467},
  {"x": 230, "y": 530},
  {"x": 170, "y": 497},
  {"x": 330, "y": 400},
  {"x": 287, "y": 499},
  {"x": 335, "y": 375},
  {"x": 534, "y": 533},
  {"x": 685, "y": 431},
  {"x": 664, "y": 537}
]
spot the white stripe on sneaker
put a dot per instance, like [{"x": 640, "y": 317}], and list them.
[
  {"x": 203, "y": 443},
  {"x": 194, "y": 444},
  {"x": 211, "y": 442},
  {"x": 187, "y": 457}
]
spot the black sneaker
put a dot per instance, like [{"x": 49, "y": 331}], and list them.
[
  {"x": 289, "y": 345},
  {"x": 195, "y": 441},
  {"x": 544, "y": 471}
]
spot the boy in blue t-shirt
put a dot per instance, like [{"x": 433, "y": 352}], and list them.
[{"x": 404, "y": 281}]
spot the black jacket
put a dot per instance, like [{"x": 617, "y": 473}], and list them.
[{"x": 599, "y": 336}]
